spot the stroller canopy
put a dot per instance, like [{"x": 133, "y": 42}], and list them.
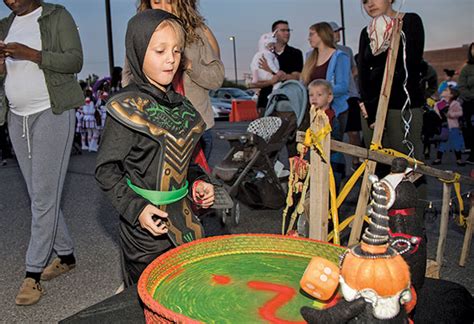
[{"x": 291, "y": 96}]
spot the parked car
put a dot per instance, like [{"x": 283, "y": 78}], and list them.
[
  {"x": 221, "y": 100},
  {"x": 221, "y": 108},
  {"x": 228, "y": 94}
]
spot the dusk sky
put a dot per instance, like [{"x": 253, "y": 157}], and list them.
[{"x": 447, "y": 24}]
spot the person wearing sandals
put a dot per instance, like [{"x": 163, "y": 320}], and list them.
[{"x": 40, "y": 51}]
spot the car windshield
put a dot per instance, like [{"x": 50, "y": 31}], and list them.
[{"x": 237, "y": 93}]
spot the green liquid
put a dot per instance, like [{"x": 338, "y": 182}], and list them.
[{"x": 193, "y": 292}]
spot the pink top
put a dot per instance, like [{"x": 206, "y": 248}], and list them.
[{"x": 454, "y": 112}]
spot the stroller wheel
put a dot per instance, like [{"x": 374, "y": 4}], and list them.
[
  {"x": 235, "y": 213},
  {"x": 224, "y": 215}
]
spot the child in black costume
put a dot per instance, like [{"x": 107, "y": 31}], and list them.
[{"x": 144, "y": 160}]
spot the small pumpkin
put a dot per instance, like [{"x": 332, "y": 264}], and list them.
[{"x": 387, "y": 275}]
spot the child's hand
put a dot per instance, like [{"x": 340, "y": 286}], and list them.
[
  {"x": 203, "y": 194},
  {"x": 151, "y": 220}
]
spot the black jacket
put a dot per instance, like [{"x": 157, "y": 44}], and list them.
[{"x": 371, "y": 68}]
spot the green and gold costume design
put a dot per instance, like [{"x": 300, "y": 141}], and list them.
[{"x": 177, "y": 130}]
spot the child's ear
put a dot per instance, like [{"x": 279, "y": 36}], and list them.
[{"x": 331, "y": 97}]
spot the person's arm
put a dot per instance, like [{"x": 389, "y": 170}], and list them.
[
  {"x": 70, "y": 58},
  {"x": 212, "y": 41},
  {"x": 455, "y": 110},
  {"x": 127, "y": 76},
  {"x": 341, "y": 74},
  {"x": 109, "y": 173},
  {"x": 466, "y": 92},
  {"x": 362, "y": 64},
  {"x": 205, "y": 67},
  {"x": 415, "y": 42}
]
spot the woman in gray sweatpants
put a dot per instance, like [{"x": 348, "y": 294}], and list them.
[
  {"x": 40, "y": 53},
  {"x": 42, "y": 144}
]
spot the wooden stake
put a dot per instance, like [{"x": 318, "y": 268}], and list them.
[
  {"x": 378, "y": 130},
  {"x": 466, "y": 246},
  {"x": 443, "y": 225},
  {"x": 319, "y": 181}
]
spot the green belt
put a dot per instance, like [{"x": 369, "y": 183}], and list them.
[{"x": 160, "y": 197}]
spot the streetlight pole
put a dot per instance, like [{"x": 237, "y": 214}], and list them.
[
  {"x": 342, "y": 22},
  {"x": 109, "y": 36},
  {"x": 232, "y": 38}
]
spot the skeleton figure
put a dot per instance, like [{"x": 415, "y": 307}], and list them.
[{"x": 298, "y": 183}]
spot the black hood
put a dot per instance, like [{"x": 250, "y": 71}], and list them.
[{"x": 139, "y": 31}]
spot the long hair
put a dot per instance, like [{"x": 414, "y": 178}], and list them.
[
  {"x": 324, "y": 31},
  {"x": 186, "y": 11}
]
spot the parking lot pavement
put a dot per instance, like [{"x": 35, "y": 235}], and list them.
[{"x": 93, "y": 225}]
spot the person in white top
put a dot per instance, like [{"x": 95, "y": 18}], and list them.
[
  {"x": 40, "y": 51},
  {"x": 266, "y": 48}
]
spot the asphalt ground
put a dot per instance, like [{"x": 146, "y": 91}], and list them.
[{"x": 94, "y": 227}]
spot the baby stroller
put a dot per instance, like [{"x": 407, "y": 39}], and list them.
[
  {"x": 248, "y": 168},
  {"x": 250, "y": 163}
]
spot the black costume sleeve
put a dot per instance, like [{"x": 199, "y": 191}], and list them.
[
  {"x": 415, "y": 38},
  {"x": 110, "y": 175},
  {"x": 362, "y": 64},
  {"x": 195, "y": 172}
]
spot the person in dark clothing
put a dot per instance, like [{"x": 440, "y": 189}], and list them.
[
  {"x": 144, "y": 160},
  {"x": 466, "y": 86},
  {"x": 4, "y": 145},
  {"x": 429, "y": 80},
  {"x": 291, "y": 65},
  {"x": 371, "y": 70},
  {"x": 289, "y": 58},
  {"x": 406, "y": 90}
]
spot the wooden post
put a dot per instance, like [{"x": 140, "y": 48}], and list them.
[
  {"x": 319, "y": 181},
  {"x": 466, "y": 246},
  {"x": 443, "y": 224},
  {"x": 378, "y": 130}
]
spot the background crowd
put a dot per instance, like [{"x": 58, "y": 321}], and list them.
[{"x": 62, "y": 113}]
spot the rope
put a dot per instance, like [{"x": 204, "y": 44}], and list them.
[
  {"x": 378, "y": 148},
  {"x": 457, "y": 190}
]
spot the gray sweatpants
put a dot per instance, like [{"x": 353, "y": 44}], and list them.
[{"x": 42, "y": 144}]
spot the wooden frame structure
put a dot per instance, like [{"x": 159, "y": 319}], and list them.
[{"x": 319, "y": 198}]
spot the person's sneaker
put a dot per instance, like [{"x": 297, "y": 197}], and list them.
[
  {"x": 469, "y": 161},
  {"x": 55, "y": 269},
  {"x": 436, "y": 162},
  {"x": 460, "y": 163},
  {"x": 30, "y": 292},
  {"x": 4, "y": 162}
]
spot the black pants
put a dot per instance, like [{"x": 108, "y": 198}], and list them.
[
  {"x": 468, "y": 111},
  {"x": 5, "y": 145}
]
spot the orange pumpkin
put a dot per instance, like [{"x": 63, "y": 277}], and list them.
[{"x": 385, "y": 275}]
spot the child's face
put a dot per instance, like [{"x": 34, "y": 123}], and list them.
[
  {"x": 271, "y": 47},
  {"x": 446, "y": 94},
  {"x": 162, "y": 57},
  {"x": 320, "y": 97}
]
